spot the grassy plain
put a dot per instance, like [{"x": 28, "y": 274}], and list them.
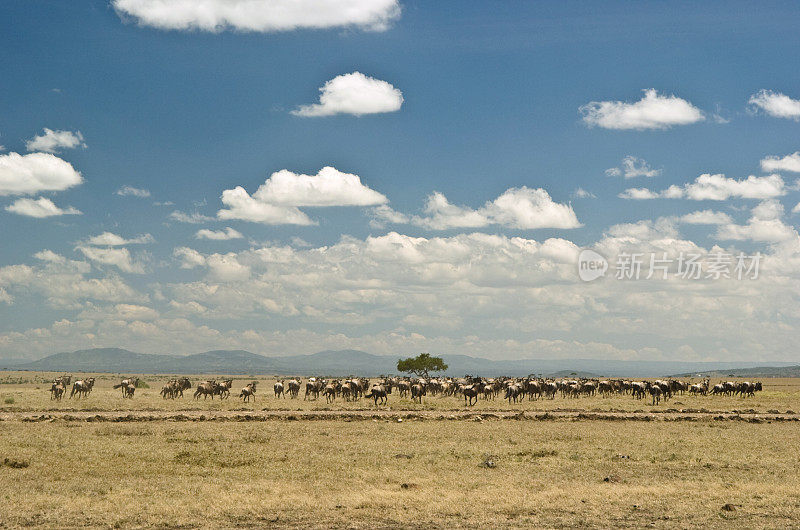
[
  {"x": 28, "y": 391},
  {"x": 384, "y": 473}
]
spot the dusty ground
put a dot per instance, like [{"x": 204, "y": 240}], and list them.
[{"x": 105, "y": 461}]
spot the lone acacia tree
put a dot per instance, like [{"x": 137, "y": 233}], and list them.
[{"x": 421, "y": 365}]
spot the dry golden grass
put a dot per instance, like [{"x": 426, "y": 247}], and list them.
[
  {"x": 323, "y": 473},
  {"x": 384, "y": 473}
]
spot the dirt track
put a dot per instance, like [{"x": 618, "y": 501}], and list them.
[{"x": 392, "y": 415}]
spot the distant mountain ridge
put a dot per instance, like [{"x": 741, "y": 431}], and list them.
[
  {"x": 754, "y": 372},
  {"x": 354, "y": 362},
  {"x": 96, "y": 359},
  {"x": 333, "y": 362}
]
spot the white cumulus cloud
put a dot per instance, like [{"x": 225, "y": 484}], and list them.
[
  {"x": 776, "y": 104},
  {"x": 125, "y": 312},
  {"x": 260, "y": 15},
  {"x": 35, "y": 172},
  {"x": 218, "y": 235},
  {"x": 109, "y": 239},
  {"x": 581, "y": 193},
  {"x": 440, "y": 214},
  {"x": 277, "y": 200},
  {"x": 52, "y": 141},
  {"x": 194, "y": 218},
  {"x": 706, "y": 217},
  {"x": 718, "y": 187},
  {"x": 189, "y": 257},
  {"x": 39, "y": 208},
  {"x": 130, "y": 191},
  {"x": 329, "y": 187},
  {"x": 106, "y": 249},
  {"x": 50, "y": 256},
  {"x": 241, "y": 206},
  {"x": 385, "y": 214},
  {"x": 522, "y": 208},
  {"x": 638, "y": 194},
  {"x": 632, "y": 167},
  {"x": 66, "y": 283},
  {"x": 226, "y": 268},
  {"x": 787, "y": 163},
  {"x": 116, "y": 257},
  {"x": 355, "y": 94},
  {"x": 653, "y": 111},
  {"x": 765, "y": 225}
]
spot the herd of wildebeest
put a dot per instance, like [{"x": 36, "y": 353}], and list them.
[{"x": 469, "y": 388}]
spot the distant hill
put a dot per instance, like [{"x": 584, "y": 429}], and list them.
[
  {"x": 571, "y": 373},
  {"x": 754, "y": 372},
  {"x": 355, "y": 362},
  {"x": 337, "y": 362},
  {"x": 343, "y": 362},
  {"x": 95, "y": 360},
  {"x": 217, "y": 362}
]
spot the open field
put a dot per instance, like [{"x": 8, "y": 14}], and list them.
[
  {"x": 355, "y": 466},
  {"x": 28, "y": 392}
]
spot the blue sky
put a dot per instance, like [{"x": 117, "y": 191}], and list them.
[{"x": 491, "y": 101}]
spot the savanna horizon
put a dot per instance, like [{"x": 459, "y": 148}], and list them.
[
  {"x": 356, "y": 362},
  {"x": 399, "y": 264},
  {"x": 588, "y": 460}
]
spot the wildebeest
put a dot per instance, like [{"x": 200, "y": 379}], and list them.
[
  {"x": 417, "y": 392},
  {"x": 168, "y": 390},
  {"x": 313, "y": 388},
  {"x": 666, "y": 388},
  {"x": 470, "y": 392},
  {"x": 205, "y": 389},
  {"x": 638, "y": 389},
  {"x": 125, "y": 383},
  {"x": 513, "y": 392},
  {"x": 294, "y": 388},
  {"x": 605, "y": 388},
  {"x": 718, "y": 389},
  {"x": 358, "y": 387},
  {"x": 223, "y": 389},
  {"x": 347, "y": 390},
  {"x": 377, "y": 392},
  {"x": 182, "y": 384},
  {"x": 678, "y": 387},
  {"x": 656, "y": 391},
  {"x": 57, "y": 391},
  {"x": 82, "y": 387},
  {"x": 249, "y": 391},
  {"x": 175, "y": 388},
  {"x": 404, "y": 388},
  {"x": 65, "y": 380},
  {"x": 534, "y": 389},
  {"x": 128, "y": 386},
  {"x": 588, "y": 388},
  {"x": 700, "y": 388},
  {"x": 330, "y": 392},
  {"x": 746, "y": 388}
]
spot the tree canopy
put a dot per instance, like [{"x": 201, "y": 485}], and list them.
[{"x": 421, "y": 365}]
